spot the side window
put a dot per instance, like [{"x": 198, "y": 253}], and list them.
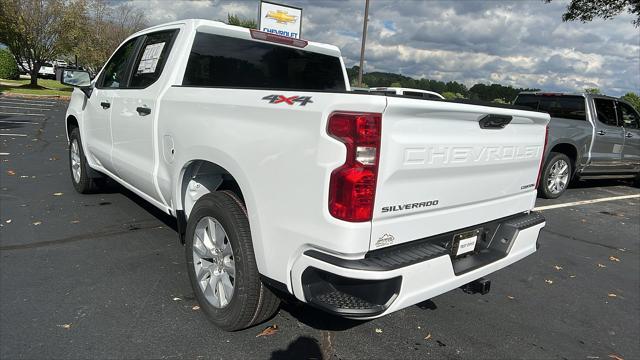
[
  {"x": 115, "y": 72},
  {"x": 606, "y": 111},
  {"x": 151, "y": 58},
  {"x": 628, "y": 116}
]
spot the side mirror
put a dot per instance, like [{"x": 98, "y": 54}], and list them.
[{"x": 77, "y": 78}]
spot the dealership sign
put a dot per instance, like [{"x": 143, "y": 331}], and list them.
[{"x": 280, "y": 19}]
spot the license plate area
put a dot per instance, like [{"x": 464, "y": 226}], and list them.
[{"x": 465, "y": 242}]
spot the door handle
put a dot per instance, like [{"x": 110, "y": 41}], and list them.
[
  {"x": 629, "y": 134},
  {"x": 105, "y": 105},
  {"x": 143, "y": 110},
  {"x": 601, "y": 132}
]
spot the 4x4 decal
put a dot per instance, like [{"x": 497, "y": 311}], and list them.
[{"x": 277, "y": 99}]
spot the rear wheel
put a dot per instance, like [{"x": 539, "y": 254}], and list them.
[
  {"x": 555, "y": 176},
  {"x": 81, "y": 177},
  {"x": 222, "y": 266}
]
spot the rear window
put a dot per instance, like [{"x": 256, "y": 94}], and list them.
[
  {"x": 566, "y": 106},
  {"x": 231, "y": 62}
]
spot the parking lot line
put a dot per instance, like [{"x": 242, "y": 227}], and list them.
[
  {"x": 19, "y": 122},
  {"x": 13, "y": 135},
  {"x": 7, "y": 113},
  {"x": 584, "y": 202},
  {"x": 21, "y": 107}
]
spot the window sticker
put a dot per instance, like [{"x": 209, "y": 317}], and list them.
[{"x": 150, "y": 58}]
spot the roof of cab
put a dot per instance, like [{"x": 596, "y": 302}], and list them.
[{"x": 202, "y": 23}]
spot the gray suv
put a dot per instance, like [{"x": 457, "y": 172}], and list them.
[{"x": 590, "y": 137}]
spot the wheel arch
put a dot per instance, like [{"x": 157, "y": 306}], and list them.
[
  {"x": 570, "y": 150},
  {"x": 71, "y": 123}
]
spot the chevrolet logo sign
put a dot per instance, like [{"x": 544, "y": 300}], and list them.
[{"x": 281, "y": 16}]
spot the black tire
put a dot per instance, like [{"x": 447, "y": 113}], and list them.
[
  {"x": 544, "y": 190},
  {"x": 252, "y": 302},
  {"x": 636, "y": 181},
  {"x": 86, "y": 183}
]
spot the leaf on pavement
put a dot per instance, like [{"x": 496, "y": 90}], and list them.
[
  {"x": 615, "y": 357},
  {"x": 65, "y": 326},
  {"x": 557, "y": 267},
  {"x": 195, "y": 307},
  {"x": 269, "y": 330},
  {"x": 57, "y": 194},
  {"x": 176, "y": 299},
  {"x": 510, "y": 297},
  {"x": 9, "y": 221},
  {"x": 428, "y": 336},
  {"x": 602, "y": 266},
  {"x": 36, "y": 223},
  {"x": 378, "y": 330},
  {"x": 612, "y": 295},
  {"x": 548, "y": 281},
  {"x": 613, "y": 258},
  {"x": 53, "y": 158},
  {"x": 11, "y": 172},
  {"x": 572, "y": 276},
  {"x": 75, "y": 221}
]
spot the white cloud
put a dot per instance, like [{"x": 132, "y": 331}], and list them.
[{"x": 524, "y": 44}]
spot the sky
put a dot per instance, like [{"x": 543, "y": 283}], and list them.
[{"x": 520, "y": 43}]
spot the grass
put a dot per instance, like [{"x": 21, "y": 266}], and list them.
[{"x": 45, "y": 87}]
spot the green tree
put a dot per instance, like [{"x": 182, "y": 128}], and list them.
[
  {"x": 8, "y": 65},
  {"x": 595, "y": 91},
  {"x": 587, "y": 10},
  {"x": 33, "y": 29},
  {"x": 238, "y": 21},
  {"x": 100, "y": 28},
  {"x": 633, "y": 99}
]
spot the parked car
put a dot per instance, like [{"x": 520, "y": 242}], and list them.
[
  {"x": 590, "y": 137},
  {"x": 47, "y": 71},
  {"x": 414, "y": 93},
  {"x": 282, "y": 180}
]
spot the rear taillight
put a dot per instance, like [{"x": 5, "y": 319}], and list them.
[
  {"x": 352, "y": 187},
  {"x": 544, "y": 150}
]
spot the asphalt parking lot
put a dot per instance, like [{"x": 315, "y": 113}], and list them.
[{"x": 103, "y": 276}]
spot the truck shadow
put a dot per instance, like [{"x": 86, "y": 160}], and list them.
[
  {"x": 314, "y": 318},
  {"x": 303, "y": 347},
  {"x": 111, "y": 187}
]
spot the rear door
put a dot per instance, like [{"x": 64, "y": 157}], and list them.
[
  {"x": 608, "y": 141},
  {"x": 134, "y": 110},
  {"x": 631, "y": 126},
  {"x": 440, "y": 170}
]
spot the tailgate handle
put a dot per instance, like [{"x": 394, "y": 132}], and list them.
[{"x": 492, "y": 121}]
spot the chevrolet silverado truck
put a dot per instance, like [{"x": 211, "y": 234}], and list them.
[
  {"x": 283, "y": 181},
  {"x": 590, "y": 137}
]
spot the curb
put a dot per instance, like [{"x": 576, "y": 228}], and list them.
[{"x": 34, "y": 96}]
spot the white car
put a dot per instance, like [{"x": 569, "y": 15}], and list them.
[
  {"x": 282, "y": 180},
  {"x": 414, "y": 93},
  {"x": 47, "y": 70}
]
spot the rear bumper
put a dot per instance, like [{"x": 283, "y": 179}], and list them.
[{"x": 393, "y": 278}]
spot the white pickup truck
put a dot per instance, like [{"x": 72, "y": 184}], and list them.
[{"x": 282, "y": 180}]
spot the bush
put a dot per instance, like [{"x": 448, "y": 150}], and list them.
[{"x": 8, "y": 65}]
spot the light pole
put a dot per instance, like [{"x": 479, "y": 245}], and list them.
[{"x": 364, "y": 40}]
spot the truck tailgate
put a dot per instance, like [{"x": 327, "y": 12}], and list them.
[{"x": 440, "y": 171}]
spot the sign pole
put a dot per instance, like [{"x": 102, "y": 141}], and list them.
[{"x": 364, "y": 40}]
